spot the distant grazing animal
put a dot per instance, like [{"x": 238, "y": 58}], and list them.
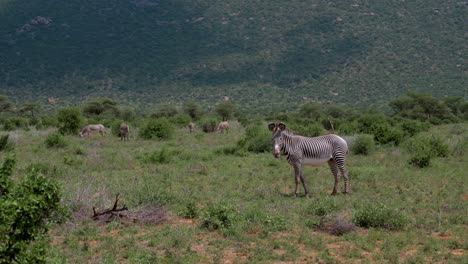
[
  {"x": 223, "y": 126},
  {"x": 300, "y": 150},
  {"x": 191, "y": 127},
  {"x": 124, "y": 132},
  {"x": 85, "y": 131}
]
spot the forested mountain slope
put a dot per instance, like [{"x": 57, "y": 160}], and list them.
[{"x": 253, "y": 51}]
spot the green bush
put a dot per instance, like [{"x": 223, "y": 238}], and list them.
[
  {"x": 323, "y": 207},
  {"x": 220, "y": 216},
  {"x": 28, "y": 209},
  {"x": 307, "y": 128},
  {"x": 423, "y": 147},
  {"x": 412, "y": 127},
  {"x": 157, "y": 156},
  {"x": 157, "y": 129},
  {"x": 49, "y": 121},
  {"x": 70, "y": 120},
  {"x": 208, "y": 125},
  {"x": 363, "y": 144},
  {"x": 257, "y": 139},
  {"x": 381, "y": 127},
  {"x": 190, "y": 210},
  {"x": 12, "y": 123},
  {"x": 380, "y": 216},
  {"x": 55, "y": 140},
  {"x": 6, "y": 143}
]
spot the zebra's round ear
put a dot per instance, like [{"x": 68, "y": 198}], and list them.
[
  {"x": 282, "y": 126},
  {"x": 271, "y": 126}
]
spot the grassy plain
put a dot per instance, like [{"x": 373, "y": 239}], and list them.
[{"x": 193, "y": 182}]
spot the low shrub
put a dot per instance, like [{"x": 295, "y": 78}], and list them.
[
  {"x": 220, "y": 216},
  {"x": 55, "y": 140},
  {"x": 158, "y": 156},
  {"x": 363, "y": 144},
  {"x": 190, "y": 210},
  {"x": 257, "y": 139},
  {"x": 323, "y": 207},
  {"x": 208, "y": 125},
  {"x": 380, "y": 216},
  {"x": 423, "y": 147},
  {"x": 5, "y": 143},
  {"x": 157, "y": 129},
  {"x": 309, "y": 129}
]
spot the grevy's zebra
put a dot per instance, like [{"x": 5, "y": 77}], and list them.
[{"x": 302, "y": 150}]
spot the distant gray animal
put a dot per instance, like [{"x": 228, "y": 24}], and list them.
[
  {"x": 124, "y": 132},
  {"x": 222, "y": 127},
  {"x": 86, "y": 130},
  {"x": 191, "y": 127},
  {"x": 300, "y": 150}
]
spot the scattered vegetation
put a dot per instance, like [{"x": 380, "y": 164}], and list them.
[{"x": 379, "y": 215}]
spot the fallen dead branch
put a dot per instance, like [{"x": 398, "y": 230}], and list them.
[{"x": 113, "y": 212}]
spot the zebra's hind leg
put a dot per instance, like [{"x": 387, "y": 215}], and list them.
[
  {"x": 345, "y": 176},
  {"x": 334, "y": 170}
]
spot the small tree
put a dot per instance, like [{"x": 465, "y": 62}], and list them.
[
  {"x": 225, "y": 110},
  {"x": 193, "y": 110},
  {"x": 99, "y": 105},
  {"x": 70, "y": 120},
  {"x": 5, "y": 104},
  {"x": 157, "y": 129},
  {"x": 32, "y": 108},
  {"x": 27, "y": 209}
]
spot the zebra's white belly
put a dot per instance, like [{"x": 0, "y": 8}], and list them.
[{"x": 315, "y": 162}]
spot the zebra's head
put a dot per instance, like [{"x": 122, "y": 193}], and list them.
[{"x": 277, "y": 137}]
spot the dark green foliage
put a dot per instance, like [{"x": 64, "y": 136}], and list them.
[
  {"x": 30, "y": 108},
  {"x": 257, "y": 139},
  {"x": 225, "y": 110},
  {"x": 12, "y": 123},
  {"x": 5, "y": 104},
  {"x": 27, "y": 210},
  {"x": 346, "y": 127},
  {"x": 166, "y": 110},
  {"x": 55, "y": 140},
  {"x": 158, "y": 156},
  {"x": 323, "y": 207},
  {"x": 220, "y": 216},
  {"x": 49, "y": 121},
  {"x": 5, "y": 172},
  {"x": 127, "y": 114},
  {"x": 5, "y": 143},
  {"x": 208, "y": 125},
  {"x": 412, "y": 127},
  {"x": 310, "y": 111},
  {"x": 423, "y": 147},
  {"x": 160, "y": 129},
  {"x": 381, "y": 127},
  {"x": 363, "y": 144},
  {"x": 180, "y": 120},
  {"x": 307, "y": 128},
  {"x": 193, "y": 109},
  {"x": 99, "y": 105},
  {"x": 70, "y": 120},
  {"x": 379, "y": 215},
  {"x": 425, "y": 107},
  {"x": 190, "y": 210}
]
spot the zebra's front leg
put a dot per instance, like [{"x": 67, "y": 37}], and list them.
[
  {"x": 334, "y": 170},
  {"x": 297, "y": 176}
]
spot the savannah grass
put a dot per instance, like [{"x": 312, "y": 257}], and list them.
[{"x": 263, "y": 222}]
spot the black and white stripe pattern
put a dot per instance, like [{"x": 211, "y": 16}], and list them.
[{"x": 300, "y": 150}]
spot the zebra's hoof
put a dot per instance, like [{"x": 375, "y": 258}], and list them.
[{"x": 333, "y": 193}]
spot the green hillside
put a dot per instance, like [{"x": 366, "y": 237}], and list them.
[{"x": 358, "y": 52}]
